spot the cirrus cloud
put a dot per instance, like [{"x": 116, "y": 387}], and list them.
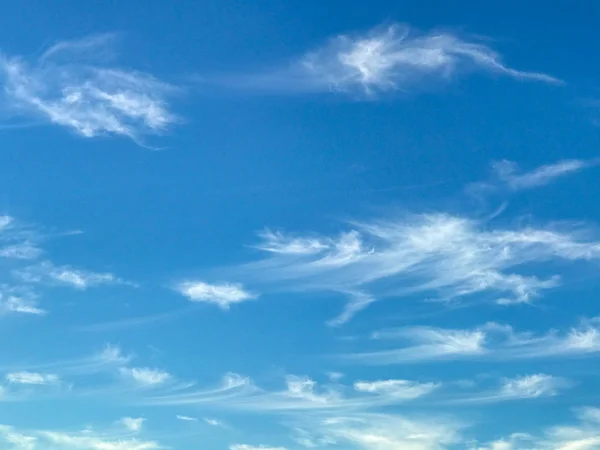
[
  {"x": 72, "y": 85},
  {"x": 383, "y": 60}
]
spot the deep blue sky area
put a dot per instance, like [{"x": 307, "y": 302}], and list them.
[{"x": 280, "y": 225}]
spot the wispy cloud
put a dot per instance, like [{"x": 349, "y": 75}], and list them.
[
  {"x": 32, "y": 378},
  {"x": 48, "y": 273},
  {"x": 20, "y": 248},
  {"x": 133, "y": 424},
  {"x": 186, "y": 418},
  {"x": 531, "y": 386},
  {"x": 109, "y": 359},
  {"x": 73, "y": 85},
  {"x": 583, "y": 435},
  {"x": 87, "y": 439},
  {"x": 254, "y": 447},
  {"x": 23, "y": 250},
  {"x": 277, "y": 242},
  {"x": 213, "y": 422},
  {"x": 509, "y": 173},
  {"x": 223, "y": 295},
  {"x": 387, "y": 432},
  {"x": 300, "y": 394},
  {"x": 11, "y": 301},
  {"x": 519, "y": 388},
  {"x": 144, "y": 376},
  {"x": 490, "y": 342},
  {"x": 386, "y": 59},
  {"x": 438, "y": 256}
]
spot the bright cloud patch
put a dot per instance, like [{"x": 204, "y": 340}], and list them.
[
  {"x": 223, "y": 295},
  {"x": 440, "y": 256},
  {"x": 254, "y": 447},
  {"x": 531, "y": 386},
  {"x": 144, "y": 376},
  {"x": 18, "y": 304},
  {"x": 32, "y": 378},
  {"x": 583, "y": 435},
  {"x": 23, "y": 276},
  {"x": 186, "y": 418},
  {"x": 132, "y": 424},
  {"x": 384, "y": 59},
  {"x": 509, "y": 173},
  {"x": 88, "y": 440},
  {"x": 301, "y": 393},
  {"x": 47, "y": 272},
  {"x": 387, "y": 432},
  {"x": 401, "y": 389},
  {"x": 491, "y": 341},
  {"x": 70, "y": 85}
]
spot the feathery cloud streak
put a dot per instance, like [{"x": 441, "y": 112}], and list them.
[
  {"x": 584, "y": 435},
  {"x": 509, "y": 173},
  {"x": 24, "y": 273},
  {"x": 300, "y": 394},
  {"x": 71, "y": 85},
  {"x": 48, "y": 273},
  {"x": 442, "y": 256},
  {"x": 387, "y": 432},
  {"x": 87, "y": 439},
  {"x": 385, "y": 59},
  {"x": 32, "y": 378},
  {"x": 491, "y": 342}
]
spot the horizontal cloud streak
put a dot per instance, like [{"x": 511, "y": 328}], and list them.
[
  {"x": 300, "y": 394},
  {"x": 440, "y": 256},
  {"x": 509, "y": 173},
  {"x": 71, "y": 86},
  {"x": 489, "y": 342},
  {"x": 385, "y": 59}
]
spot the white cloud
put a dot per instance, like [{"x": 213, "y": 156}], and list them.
[
  {"x": 335, "y": 377},
  {"x": 32, "y": 378},
  {"x": 17, "y": 440},
  {"x": 509, "y": 173},
  {"x": 47, "y": 272},
  {"x": 231, "y": 388},
  {"x": 5, "y": 222},
  {"x": 531, "y": 386},
  {"x": 399, "y": 389},
  {"x": 254, "y": 447},
  {"x": 277, "y": 242},
  {"x": 440, "y": 256},
  {"x": 186, "y": 418},
  {"x": 132, "y": 424},
  {"x": 394, "y": 58},
  {"x": 214, "y": 422},
  {"x": 23, "y": 250},
  {"x": 223, "y": 295},
  {"x": 88, "y": 439},
  {"x": 71, "y": 86},
  {"x": 109, "y": 359},
  {"x": 300, "y": 394},
  {"x": 144, "y": 376},
  {"x": 437, "y": 343},
  {"x": 19, "y": 244},
  {"x": 490, "y": 342},
  {"x": 18, "y": 304},
  {"x": 81, "y": 441},
  {"x": 518, "y": 388},
  {"x": 389, "y": 432},
  {"x": 585, "y": 435}
]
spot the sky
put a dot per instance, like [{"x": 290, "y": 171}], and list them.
[{"x": 297, "y": 225}]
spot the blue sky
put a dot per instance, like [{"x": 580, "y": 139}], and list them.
[{"x": 285, "y": 225}]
